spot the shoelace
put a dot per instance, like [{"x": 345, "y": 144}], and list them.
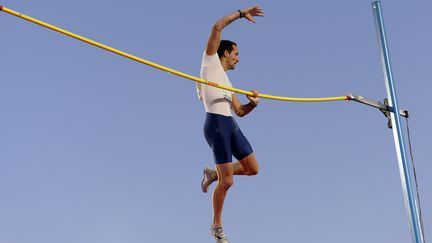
[
  {"x": 219, "y": 233},
  {"x": 212, "y": 174}
]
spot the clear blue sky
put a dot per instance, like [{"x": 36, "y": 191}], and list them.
[{"x": 96, "y": 148}]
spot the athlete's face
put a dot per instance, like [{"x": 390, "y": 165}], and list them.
[{"x": 232, "y": 58}]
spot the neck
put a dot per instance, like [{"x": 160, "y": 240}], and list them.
[{"x": 224, "y": 64}]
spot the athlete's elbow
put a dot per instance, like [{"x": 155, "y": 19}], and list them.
[
  {"x": 240, "y": 113},
  {"x": 217, "y": 27}
]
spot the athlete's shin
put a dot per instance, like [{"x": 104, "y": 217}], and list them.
[{"x": 219, "y": 195}]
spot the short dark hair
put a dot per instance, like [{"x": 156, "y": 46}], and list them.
[{"x": 225, "y": 45}]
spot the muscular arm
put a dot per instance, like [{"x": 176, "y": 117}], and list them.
[
  {"x": 216, "y": 32},
  {"x": 242, "y": 110}
]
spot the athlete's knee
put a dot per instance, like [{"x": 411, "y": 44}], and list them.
[
  {"x": 250, "y": 165},
  {"x": 252, "y": 171},
  {"x": 226, "y": 184}
]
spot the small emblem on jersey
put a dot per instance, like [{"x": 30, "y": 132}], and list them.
[{"x": 227, "y": 95}]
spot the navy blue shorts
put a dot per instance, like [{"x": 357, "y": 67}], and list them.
[{"x": 225, "y": 138}]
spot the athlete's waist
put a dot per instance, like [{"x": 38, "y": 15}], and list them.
[
  {"x": 217, "y": 115},
  {"x": 222, "y": 108}
]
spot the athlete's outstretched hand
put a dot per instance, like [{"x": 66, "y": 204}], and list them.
[{"x": 250, "y": 13}]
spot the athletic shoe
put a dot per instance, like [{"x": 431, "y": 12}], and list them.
[
  {"x": 208, "y": 178},
  {"x": 219, "y": 235}
]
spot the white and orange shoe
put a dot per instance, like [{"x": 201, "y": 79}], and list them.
[
  {"x": 219, "y": 235},
  {"x": 209, "y": 176}
]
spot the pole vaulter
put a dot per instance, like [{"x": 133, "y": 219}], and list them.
[{"x": 389, "y": 107}]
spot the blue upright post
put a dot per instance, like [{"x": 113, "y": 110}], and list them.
[{"x": 411, "y": 202}]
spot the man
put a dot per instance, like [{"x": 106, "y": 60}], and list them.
[{"x": 220, "y": 129}]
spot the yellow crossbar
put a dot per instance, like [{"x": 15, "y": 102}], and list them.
[{"x": 163, "y": 68}]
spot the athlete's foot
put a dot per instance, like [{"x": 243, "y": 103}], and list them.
[
  {"x": 209, "y": 176},
  {"x": 219, "y": 234}
]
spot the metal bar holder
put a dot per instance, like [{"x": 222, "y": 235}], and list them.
[
  {"x": 383, "y": 107},
  {"x": 411, "y": 202}
]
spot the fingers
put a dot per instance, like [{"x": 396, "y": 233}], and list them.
[
  {"x": 250, "y": 18},
  {"x": 258, "y": 11},
  {"x": 252, "y": 12},
  {"x": 255, "y": 93}
]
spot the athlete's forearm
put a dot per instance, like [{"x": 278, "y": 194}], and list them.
[
  {"x": 226, "y": 20},
  {"x": 245, "y": 109}
]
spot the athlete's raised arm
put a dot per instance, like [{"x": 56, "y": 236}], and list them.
[{"x": 216, "y": 32}]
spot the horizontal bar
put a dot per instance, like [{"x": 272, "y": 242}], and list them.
[{"x": 166, "y": 69}]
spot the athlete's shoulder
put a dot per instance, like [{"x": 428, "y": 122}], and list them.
[{"x": 210, "y": 60}]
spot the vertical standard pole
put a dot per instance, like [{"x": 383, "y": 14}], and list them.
[{"x": 404, "y": 168}]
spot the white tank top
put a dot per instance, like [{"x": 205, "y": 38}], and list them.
[{"x": 217, "y": 101}]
